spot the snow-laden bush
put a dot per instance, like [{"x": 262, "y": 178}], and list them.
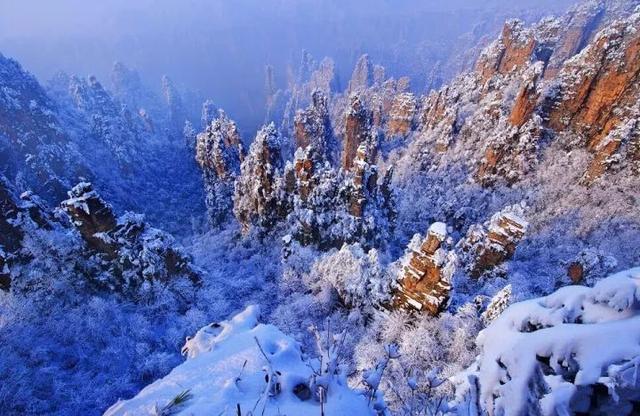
[
  {"x": 576, "y": 350},
  {"x": 430, "y": 350},
  {"x": 358, "y": 276}
]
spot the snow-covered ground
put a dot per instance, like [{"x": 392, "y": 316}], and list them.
[
  {"x": 243, "y": 367},
  {"x": 575, "y": 350}
]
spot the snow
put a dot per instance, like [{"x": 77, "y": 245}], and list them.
[
  {"x": 226, "y": 368},
  {"x": 439, "y": 229},
  {"x": 414, "y": 303},
  {"x": 582, "y": 332},
  {"x": 79, "y": 195},
  {"x": 309, "y": 277}
]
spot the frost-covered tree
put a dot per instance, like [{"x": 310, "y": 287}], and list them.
[
  {"x": 357, "y": 276},
  {"x": 174, "y": 104},
  {"x": 189, "y": 134},
  {"x": 429, "y": 349},
  {"x": 209, "y": 113}
]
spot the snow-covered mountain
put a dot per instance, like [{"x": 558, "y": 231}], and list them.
[
  {"x": 453, "y": 252},
  {"x": 127, "y": 142}
]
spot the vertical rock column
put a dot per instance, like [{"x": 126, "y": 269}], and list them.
[
  {"x": 219, "y": 153},
  {"x": 255, "y": 200},
  {"x": 426, "y": 278},
  {"x": 312, "y": 127},
  {"x": 357, "y": 130},
  {"x": 487, "y": 246},
  {"x": 402, "y": 115},
  {"x": 365, "y": 178}
]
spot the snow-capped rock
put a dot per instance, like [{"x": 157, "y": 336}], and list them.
[
  {"x": 575, "y": 350},
  {"x": 487, "y": 246},
  {"x": 134, "y": 253},
  {"x": 219, "y": 154},
  {"x": 425, "y": 282}
]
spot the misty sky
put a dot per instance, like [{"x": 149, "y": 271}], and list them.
[{"x": 220, "y": 47}]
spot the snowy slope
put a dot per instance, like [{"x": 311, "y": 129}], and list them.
[
  {"x": 575, "y": 350},
  {"x": 226, "y": 368}
]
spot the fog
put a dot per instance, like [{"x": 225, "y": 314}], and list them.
[{"x": 220, "y": 48}]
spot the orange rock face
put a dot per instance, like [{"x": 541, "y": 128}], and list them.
[
  {"x": 575, "y": 272},
  {"x": 304, "y": 169},
  {"x": 518, "y": 47},
  {"x": 525, "y": 102},
  {"x": 580, "y": 26},
  {"x": 599, "y": 88},
  {"x": 401, "y": 116},
  {"x": 433, "y": 108},
  {"x": 357, "y": 130},
  {"x": 365, "y": 179},
  {"x": 488, "y": 165},
  {"x": 589, "y": 96},
  {"x": 425, "y": 283},
  {"x": 512, "y": 52},
  {"x": 382, "y": 99},
  {"x": 439, "y": 108}
]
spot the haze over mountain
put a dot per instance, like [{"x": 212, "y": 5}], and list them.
[
  {"x": 375, "y": 208},
  {"x": 220, "y": 48}
]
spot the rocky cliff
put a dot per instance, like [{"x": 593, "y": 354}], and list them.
[
  {"x": 537, "y": 94},
  {"x": 119, "y": 254},
  {"x": 20, "y": 218},
  {"x": 570, "y": 78},
  {"x": 132, "y": 253},
  {"x": 219, "y": 154},
  {"x": 75, "y": 128},
  {"x": 34, "y": 145},
  {"x": 489, "y": 245}
]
